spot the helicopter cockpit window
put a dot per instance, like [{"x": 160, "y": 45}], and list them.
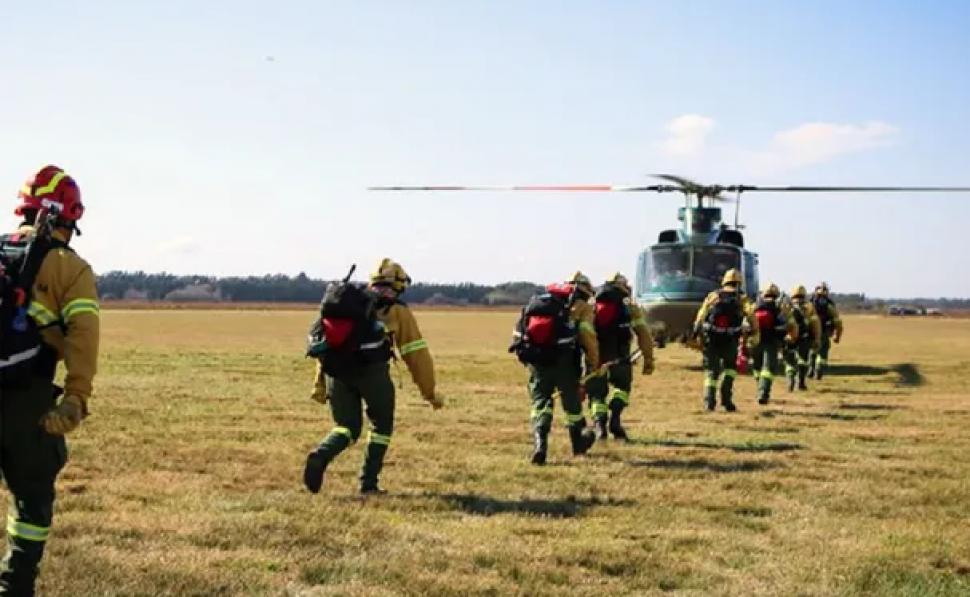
[
  {"x": 711, "y": 262},
  {"x": 668, "y": 262}
]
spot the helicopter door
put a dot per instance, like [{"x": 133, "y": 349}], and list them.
[{"x": 751, "y": 282}]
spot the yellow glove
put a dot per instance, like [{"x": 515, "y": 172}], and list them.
[
  {"x": 647, "y": 366},
  {"x": 319, "y": 394},
  {"x": 751, "y": 344},
  {"x": 65, "y": 417},
  {"x": 437, "y": 401}
]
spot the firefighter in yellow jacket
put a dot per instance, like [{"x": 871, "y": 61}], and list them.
[
  {"x": 774, "y": 328},
  {"x": 831, "y": 322},
  {"x": 723, "y": 318},
  {"x": 806, "y": 339},
  {"x": 554, "y": 331},
  {"x": 353, "y": 376},
  {"x": 49, "y": 312},
  {"x": 618, "y": 320}
]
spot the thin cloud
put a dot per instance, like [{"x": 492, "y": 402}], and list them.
[
  {"x": 687, "y": 135},
  {"x": 817, "y": 142},
  {"x": 181, "y": 245}
]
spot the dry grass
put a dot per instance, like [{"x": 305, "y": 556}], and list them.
[{"x": 186, "y": 479}]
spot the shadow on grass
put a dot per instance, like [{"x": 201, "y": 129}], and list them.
[
  {"x": 703, "y": 464},
  {"x": 568, "y": 507},
  {"x": 734, "y": 447},
  {"x": 907, "y": 374},
  {"x": 868, "y": 406},
  {"x": 769, "y": 414}
]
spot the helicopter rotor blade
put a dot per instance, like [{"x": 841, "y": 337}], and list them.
[
  {"x": 818, "y": 189},
  {"x": 587, "y": 188}
]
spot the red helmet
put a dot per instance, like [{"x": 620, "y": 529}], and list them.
[{"x": 51, "y": 187}]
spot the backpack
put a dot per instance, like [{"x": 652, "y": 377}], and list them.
[
  {"x": 544, "y": 330},
  {"x": 348, "y": 334},
  {"x": 822, "y": 304},
  {"x": 724, "y": 319},
  {"x": 771, "y": 322},
  {"x": 804, "y": 331},
  {"x": 20, "y": 340},
  {"x": 612, "y": 321}
]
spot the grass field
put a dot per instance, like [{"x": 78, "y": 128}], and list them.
[{"x": 186, "y": 478}]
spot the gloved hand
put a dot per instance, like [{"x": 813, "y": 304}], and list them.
[
  {"x": 319, "y": 395},
  {"x": 65, "y": 417},
  {"x": 648, "y": 366},
  {"x": 751, "y": 345},
  {"x": 437, "y": 401},
  {"x": 837, "y": 337}
]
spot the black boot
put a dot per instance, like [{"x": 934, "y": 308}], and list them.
[
  {"x": 710, "y": 399},
  {"x": 581, "y": 438},
  {"x": 316, "y": 466},
  {"x": 616, "y": 425},
  {"x": 791, "y": 382},
  {"x": 818, "y": 371},
  {"x": 802, "y": 371},
  {"x": 541, "y": 447},
  {"x": 599, "y": 423}
]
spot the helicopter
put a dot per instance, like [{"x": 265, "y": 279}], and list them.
[{"x": 675, "y": 274}]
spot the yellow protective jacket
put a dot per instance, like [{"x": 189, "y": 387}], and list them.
[
  {"x": 836, "y": 320},
  {"x": 583, "y": 315},
  {"x": 638, "y": 322},
  {"x": 814, "y": 324},
  {"x": 403, "y": 329},
  {"x": 747, "y": 308},
  {"x": 65, "y": 306}
]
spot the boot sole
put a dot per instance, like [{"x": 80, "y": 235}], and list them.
[{"x": 313, "y": 473}]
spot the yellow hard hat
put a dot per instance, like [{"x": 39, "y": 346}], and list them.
[
  {"x": 583, "y": 283},
  {"x": 391, "y": 274},
  {"x": 798, "y": 292},
  {"x": 771, "y": 289},
  {"x": 732, "y": 276},
  {"x": 621, "y": 282}
]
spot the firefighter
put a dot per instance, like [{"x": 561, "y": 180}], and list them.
[
  {"x": 806, "y": 339},
  {"x": 349, "y": 382},
  {"x": 49, "y": 312},
  {"x": 773, "y": 327},
  {"x": 828, "y": 316},
  {"x": 554, "y": 331},
  {"x": 618, "y": 318},
  {"x": 722, "y": 320}
]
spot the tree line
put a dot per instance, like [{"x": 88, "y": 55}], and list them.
[{"x": 278, "y": 288}]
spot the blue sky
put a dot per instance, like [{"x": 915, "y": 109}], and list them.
[{"x": 238, "y": 137}]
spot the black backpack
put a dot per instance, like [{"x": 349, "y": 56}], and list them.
[
  {"x": 544, "y": 331},
  {"x": 612, "y": 322},
  {"x": 348, "y": 334},
  {"x": 725, "y": 317},
  {"x": 822, "y": 304},
  {"x": 804, "y": 331},
  {"x": 20, "y": 339}
]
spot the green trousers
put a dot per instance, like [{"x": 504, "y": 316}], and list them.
[
  {"x": 30, "y": 459},
  {"x": 369, "y": 387},
  {"x": 819, "y": 359},
  {"x": 544, "y": 380},
  {"x": 720, "y": 358},
  {"x": 796, "y": 359},
  {"x": 620, "y": 376},
  {"x": 764, "y": 365}
]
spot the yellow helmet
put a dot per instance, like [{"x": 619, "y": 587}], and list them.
[
  {"x": 798, "y": 292},
  {"x": 770, "y": 290},
  {"x": 391, "y": 274},
  {"x": 582, "y": 283},
  {"x": 621, "y": 282},
  {"x": 732, "y": 276}
]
